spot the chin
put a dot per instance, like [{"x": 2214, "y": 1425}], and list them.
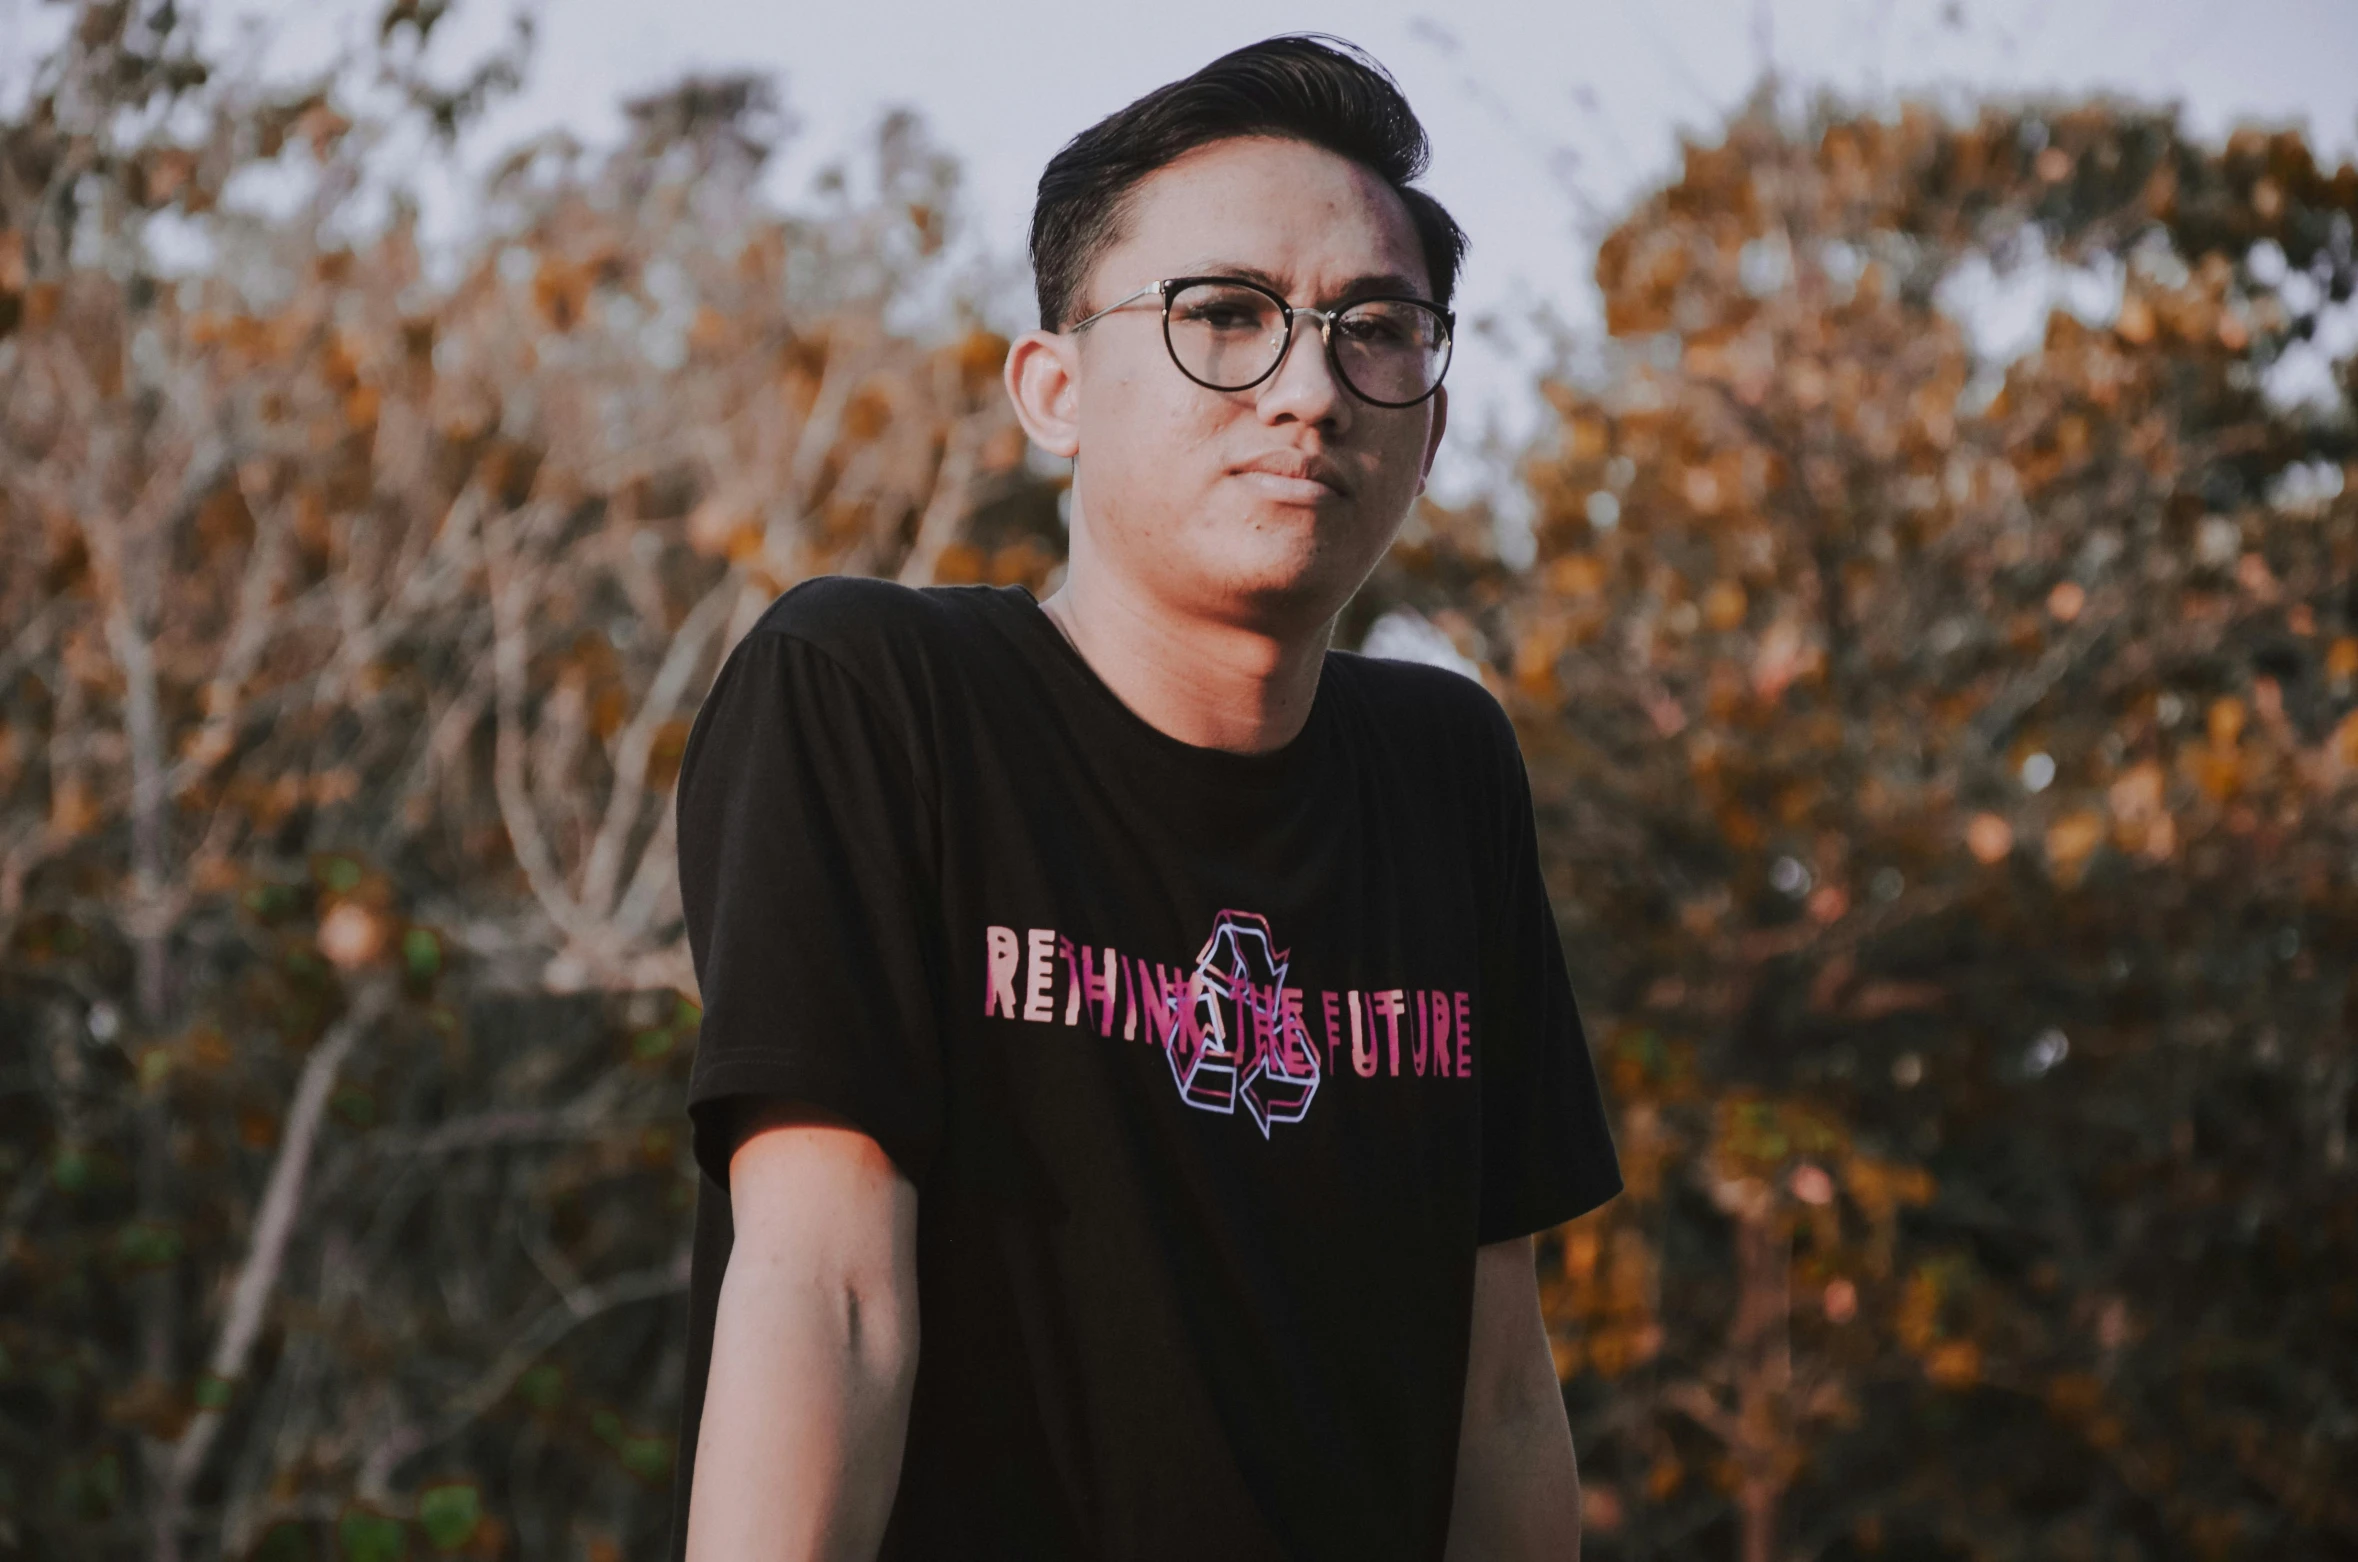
[{"x": 1282, "y": 578}]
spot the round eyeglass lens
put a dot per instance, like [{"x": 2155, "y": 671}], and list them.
[
  {"x": 1392, "y": 351},
  {"x": 1225, "y": 336}
]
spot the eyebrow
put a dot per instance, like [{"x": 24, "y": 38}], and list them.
[{"x": 1375, "y": 285}]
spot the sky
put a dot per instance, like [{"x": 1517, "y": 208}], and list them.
[{"x": 1547, "y": 119}]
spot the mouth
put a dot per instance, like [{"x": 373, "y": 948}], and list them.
[{"x": 1294, "y": 477}]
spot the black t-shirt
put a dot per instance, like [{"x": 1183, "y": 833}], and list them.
[{"x": 1212, "y": 1070}]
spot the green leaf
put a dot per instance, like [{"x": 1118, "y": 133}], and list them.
[
  {"x": 70, "y": 1169},
  {"x": 147, "y": 1244},
  {"x": 651, "y": 1046},
  {"x": 542, "y": 1386},
  {"x": 214, "y": 1393},
  {"x": 340, "y": 874},
  {"x": 450, "y": 1513},
  {"x": 421, "y": 951},
  {"x": 648, "y": 1458},
  {"x": 363, "y": 1536},
  {"x": 91, "y": 1491}
]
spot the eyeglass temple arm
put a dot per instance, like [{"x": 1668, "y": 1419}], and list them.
[{"x": 1119, "y": 303}]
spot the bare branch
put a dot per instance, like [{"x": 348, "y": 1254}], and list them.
[
  {"x": 578, "y": 1308},
  {"x": 266, "y": 1247},
  {"x": 637, "y": 741},
  {"x": 945, "y": 511},
  {"x": 509, "y": 588}
]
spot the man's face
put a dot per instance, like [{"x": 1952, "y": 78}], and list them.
[{"x": 1266, "y": 506}]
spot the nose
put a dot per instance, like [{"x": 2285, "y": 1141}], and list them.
[{"x": 1304, "y": 386}]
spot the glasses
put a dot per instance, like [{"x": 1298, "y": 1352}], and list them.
[{"x": 1230, "y": 335}]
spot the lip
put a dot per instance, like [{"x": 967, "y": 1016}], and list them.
[{"x": 1294, "y": 476}]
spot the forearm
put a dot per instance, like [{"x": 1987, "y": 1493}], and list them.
[
  {"x": 814, "y": 1354},
  {"x": 799, "y": 1449},
  {"x": 1518, "y": 1488},
  {"x": 1518, "y": 1492}
]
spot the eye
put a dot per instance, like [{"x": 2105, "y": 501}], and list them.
[
  {"x": 1373, "y": 328},
  {"x": 1221, "y": 314},
  {"x": 1224, "y": 310}
]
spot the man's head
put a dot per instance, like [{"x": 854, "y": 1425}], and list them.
[
  {"x": 1287, "y": 164},
  {"x": 1312, "y": 90}
]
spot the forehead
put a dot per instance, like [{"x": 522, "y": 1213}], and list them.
[{"x": 1294, "y": 211}]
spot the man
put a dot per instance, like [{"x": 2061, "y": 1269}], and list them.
[{"x": 1163, "y": 1011}]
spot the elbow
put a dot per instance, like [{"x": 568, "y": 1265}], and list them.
[
  {"x": 826, "y": 1252},
  {"x": 876, "y": 1327}
]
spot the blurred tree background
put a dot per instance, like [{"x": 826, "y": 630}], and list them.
[{"x": 1945, "y": 766}]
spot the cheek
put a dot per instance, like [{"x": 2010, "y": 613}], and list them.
[
  {"x": 1389, "y": 482},
  {"x": 1404, "y": 444},
  {"x": 1151, "y": 442}
]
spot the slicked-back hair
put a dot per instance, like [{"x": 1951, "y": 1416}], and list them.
[{"x": 1301, "y": 87}]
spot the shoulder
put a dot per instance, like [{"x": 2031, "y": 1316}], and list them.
[
  {"x": 1445, "y": 734},
  {"x": 1423, "y": 702},
  {"x": 904, "y": 646},
  {"x": 861, "y": 621},
  {"x": 841, "y": 658}
]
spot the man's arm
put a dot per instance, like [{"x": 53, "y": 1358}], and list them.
[
  {"x": 814, "y": 1350},
  {"x": 1518, "y": 1490}
]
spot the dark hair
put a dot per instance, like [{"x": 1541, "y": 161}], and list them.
[{"x": 1300, "y": 87}]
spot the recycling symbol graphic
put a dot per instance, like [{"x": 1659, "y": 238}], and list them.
[{"x": 1244, "y": 1037}]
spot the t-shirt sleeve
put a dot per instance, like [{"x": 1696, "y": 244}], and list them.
[
  {"x": 1547, "y": 1150},
  {"x": 807, "y": 879}
]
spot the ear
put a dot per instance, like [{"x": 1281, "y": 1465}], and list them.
[
  {"x": 1043, "y": 377},
  {"x": 1440, "y": 406}
]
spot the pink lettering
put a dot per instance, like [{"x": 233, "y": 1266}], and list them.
[
  {"x": 1440, "y": 1002},
  {"x": 1162, "y": 997},
  {"x": 1099, "y": 981},
  {"x": 1423, "y": 1031},
  {"x": 1038, "y": 1003},
  {"x": 1363, "y": 1059},
  {"x": 1465, "y": 1036},
  {"x": 1391, "y": 1003},
  {"x": 1257, "y": 1009},
  {"x": 1072, "y": 979},
  {"x": 1188, "y": 1032},
  {"x": 1003, "y": 953},
  {"x": 1331, "y": 1004}
]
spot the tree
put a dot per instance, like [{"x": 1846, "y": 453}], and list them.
[
  {"x": 355, "y": 619},
  {"x": 1946, "y": 769}
]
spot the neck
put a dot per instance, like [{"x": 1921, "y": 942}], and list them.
[{"x": 1207, "y": 682}]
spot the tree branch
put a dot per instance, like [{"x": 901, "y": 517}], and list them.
[
  {"x": 578, "y": 1308},
  {"x": 636, "y": 743},
  {"x": 266, "y": 1249}
]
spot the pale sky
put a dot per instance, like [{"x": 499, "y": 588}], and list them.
[{"x": 1546, "y": 119}]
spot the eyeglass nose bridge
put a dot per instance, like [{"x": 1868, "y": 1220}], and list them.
[{"x": 1284, "y": 342}]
